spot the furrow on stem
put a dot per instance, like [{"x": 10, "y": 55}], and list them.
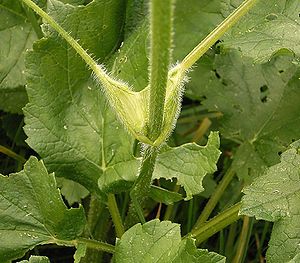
[{"x": 160, "y": 57}]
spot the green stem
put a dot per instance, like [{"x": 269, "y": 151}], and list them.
[
  {"x": 243, "y": 240},
  {"x": 90, "y": 243},
  {"x": 98, "y": 245},
  {"x": 229, "y": 249},
  {"x": 216, "y": 224},
  {"x": 214, "y": 199},
  {"x": 219, "y": 31},
  {"x": 115, "y": 215},
  {"x": 141, "y": 187},
  {"x": 160, "y": 57},
  {"x": 12, "y": 154}
]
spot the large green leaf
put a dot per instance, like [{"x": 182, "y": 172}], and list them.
[
  {"x": 158, "y": 241},
  {"x": 16, "y": 36},
  {"x": 68, "y": 121},
  {"x": 33, "y": 212},
  {"x": 275, "y": 196},
  {"x": 188, "y": 163},
  {"x": 260, "y": 108},
  {"x": 267, "y": 28}
]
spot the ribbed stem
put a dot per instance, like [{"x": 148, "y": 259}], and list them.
[
  {"x": 160, "y": 57},
  {"x": 141, "y": 187},
  {"x": 216, "y": 224}
]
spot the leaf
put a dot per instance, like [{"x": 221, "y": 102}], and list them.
[
  {"x": 275, "y": 196},
  {"x": 33, "y": 212},
  {"x": 295, "y": 259},
  {"x": 202, "y": 77},
  {"x": 12, "y": 125},
  {"x": 188, "y": 163},
  {"x": 67, "y": 119},
  {"x": 193, "y": 21},
  {"x": 16, "y": 36},
  {"x": 269, "y": 27},
  {"x": 72, "y": 191},
  {"x": 130, "y": 62},
  {"x": 13, "y": 99},
  {"x": 157, "y": 241},
  {"x": 188, "y": 252},
  {"x": 162, "y": 195},
  {"x": 36, "y": 259},
  {"x": 260, "y": 108}
]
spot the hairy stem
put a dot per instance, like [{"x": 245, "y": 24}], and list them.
[
  {"x": 141, "y": 187},
  {"x": 160, "y": 57},
  {"x": 214, "y": 199},
  {"x": 216, "y": 224},
  {"x": 219, "y": 31},
  {"x": 115, "y": 215}
]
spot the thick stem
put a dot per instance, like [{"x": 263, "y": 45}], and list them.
[
  {"x": 219, "y": 31},
  {"x": 160, "y": 57},
  {"x": 216, "y": 224},
  {"x": 214, "y": 199},
  {"x": 141, "y": 187},
  {"x": 115, "y": 215}
]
